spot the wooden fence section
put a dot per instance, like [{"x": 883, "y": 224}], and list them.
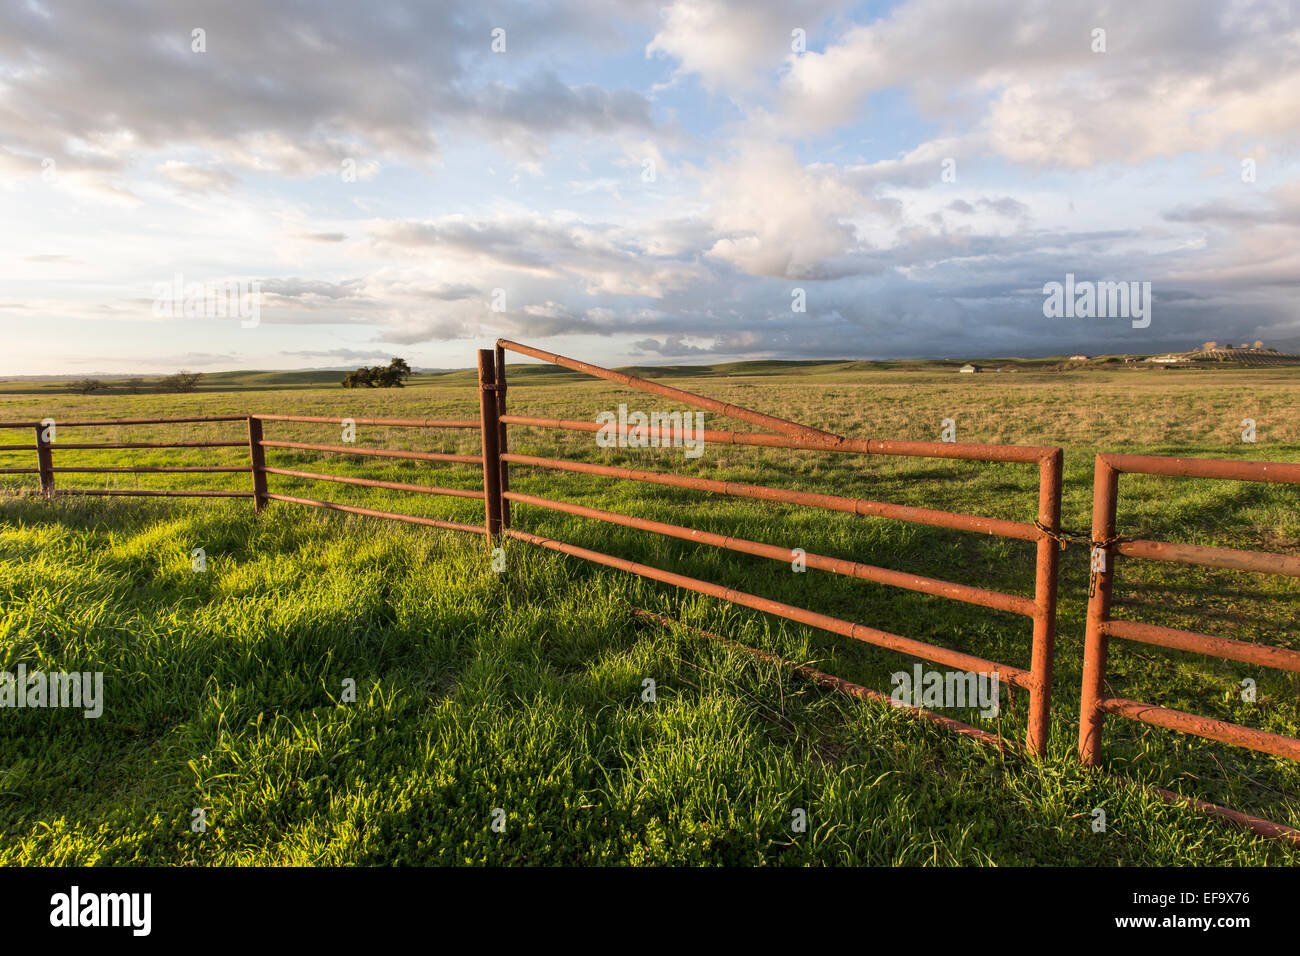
[{"x": 1095, "y": 703}]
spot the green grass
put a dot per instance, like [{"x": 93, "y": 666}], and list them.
[{"x": 522, "y": 691}]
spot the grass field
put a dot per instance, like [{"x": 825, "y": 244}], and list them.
[{"x": 521, "y": 691}]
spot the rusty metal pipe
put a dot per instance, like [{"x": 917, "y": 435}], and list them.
[
  {"x": 1256, "y": 825},
  {"x": 667, "y": 391},
  {"x": 866, "y": 572},
  {"x": 491, "y": 431},
  {"x": 1220, "y": 730},
  {"x": 148, "y": 421},
  {"x": 1272, "y": 471},
  {"x": 876, "y": 509},
  {"x": 503, "y": 438},
  {"x": 100, "y": 446},
  {"x": 148, "y": 493},
  {"x": 1230, "y": 559},
  {"x": 1015, "y": 454},
  {"x": 372, "y": 513},
  {"x": 374, "y": 452},
  {"x": 1105, "y": 493},
  {"x": 868, "y": 635},
  {"x": 668, "y": 435},
  {"x": 387, "y": 422},
  {"x": 144, "y": 469},
  {"x": 950, "y": 450},
  {"x": 376, "y": 483},
  {"x": 1262, "y": 655},
  {"x": 1045, "y": 587}
]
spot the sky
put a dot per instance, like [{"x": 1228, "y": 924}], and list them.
[{"x": 639, "y": 182}]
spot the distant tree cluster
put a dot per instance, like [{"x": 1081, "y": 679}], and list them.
[
  {"x": 182, "y": 381},
  {"x": 391, "y": 375}
]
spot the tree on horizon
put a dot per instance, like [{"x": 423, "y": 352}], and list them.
[{"x": 379, "y": 376}]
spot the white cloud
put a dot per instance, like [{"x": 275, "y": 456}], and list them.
[
  {"x": 196, "y": 178},
  {"x": 778, "y": 217},
  {"x": 286, "y": 91},
  {"x": 1174, "y": 77},
  {"x": 733, "y": 45}
]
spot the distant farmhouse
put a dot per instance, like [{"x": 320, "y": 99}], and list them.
[
  {"x": 1209, "y": 355},
  {"x": 1254, "y": 355},
  {"x": 1212, "y": 354}
]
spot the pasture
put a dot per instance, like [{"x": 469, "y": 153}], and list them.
[{"x": 521, "y": 691}]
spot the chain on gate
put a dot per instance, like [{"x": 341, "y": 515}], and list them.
[{"x": 1099, "y": 549}]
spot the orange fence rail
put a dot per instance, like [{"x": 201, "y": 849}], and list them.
[
  {"x": 1036, "y": 679},
  {"x": 1094, "y": 702},
  {"x": 257, "y": 468},
  {"x": 495, "y": 461},
  {"x": 44, "y": 447}
]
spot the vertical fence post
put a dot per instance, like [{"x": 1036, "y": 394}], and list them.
[
  {"x": 503, "y": 443},
  {"x": 1045, "y": 585},
  {"x": 1105, "y": 492},
  {"x": 44, "y": 462},
  {"x": 490, "y": 425},
  {"x": 257, "y": 462}
]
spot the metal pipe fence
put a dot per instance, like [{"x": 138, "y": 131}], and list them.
[
  {"x": 1044, "y": 531},
  {"x": 1095, "y": 702},
  {"x": 257, "y": 468},
  {"x": 495, "y": 460}
]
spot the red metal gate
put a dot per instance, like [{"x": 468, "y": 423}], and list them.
[
  {"x": 1036, "y": 679},
  {"x": 257, "y": 468},
  {"x": 1095, "y": 703},
  {"x": 497, "y": 497},
  {"x": 495, "y": 461}
]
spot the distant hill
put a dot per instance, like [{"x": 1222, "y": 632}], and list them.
[
  {"x": 246, "y": 380},
  {"x": 542, "y": 374},
  {"x": 1251, "y": 358}
]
